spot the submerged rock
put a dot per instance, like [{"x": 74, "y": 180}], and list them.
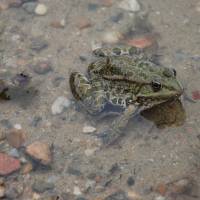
[
  {"x": 59, "y": 105},
  {"x": 8, "y": 164},
  {"x": 40, "y": 151},
  {"x": 130, "y": 5},
  {"x": 41, "y": 9}
]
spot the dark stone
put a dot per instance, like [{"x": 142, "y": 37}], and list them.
[
  {"x": 41, "y": 186},
  {"x": 14, "y": 191},
  {"x": 117, "y": 18},
  {"x": 92, "y": 6},
  {"x": 120, "y": 195},
  {"x": 130, "y": 181},
  {"x": 83, "y": 58},
  {"x": 73, "y": 171},
  {"x": 6, "y": 123},
  {"x": 29, "y": 7},
  {"x": 36, "y": 121},
  {"x": 38, "y": 44},
  {"x": 80, "y": 198},
  {"x": 114, "y": 168}
]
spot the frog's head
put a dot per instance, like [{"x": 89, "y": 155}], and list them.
[{"x": 161, "y": 86}]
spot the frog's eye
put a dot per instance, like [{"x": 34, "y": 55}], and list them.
[
  {"x": 156, "y": 86},
  {"x": 174, "y": 72}
]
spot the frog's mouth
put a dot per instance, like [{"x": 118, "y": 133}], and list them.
[{"x": 157, "y": 98}]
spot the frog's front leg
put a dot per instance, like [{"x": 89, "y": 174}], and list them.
[
  {"x": 116, "y": 129},
  {"x": 89, "y": 95}
]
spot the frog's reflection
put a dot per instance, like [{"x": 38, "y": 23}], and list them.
[{"x": 166, "y": 114}]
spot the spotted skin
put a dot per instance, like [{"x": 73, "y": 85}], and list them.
[{"x": 123, "y": 77}]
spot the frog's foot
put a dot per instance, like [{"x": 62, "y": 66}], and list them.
[
  {"x": 110, "y": 136},
  {"x": 88, "y": 95},
  {"x": 117, "y": 51},
  {"x": 80, "y": 85}
]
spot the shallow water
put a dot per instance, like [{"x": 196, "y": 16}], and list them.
[{"x": 48, "y": 48}]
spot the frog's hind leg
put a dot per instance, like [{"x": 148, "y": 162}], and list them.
[{"x": 91, "y": 97}]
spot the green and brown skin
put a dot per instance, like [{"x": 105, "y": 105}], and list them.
[{"x": 123, "y": 77}]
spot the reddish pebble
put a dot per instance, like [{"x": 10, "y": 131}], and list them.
[
  {"x": 83, "y": 23},
  {"x": 57, "y": 24},
  {"x": 161, "y": 189},
  {"x": 3, "y": 5},
  {"x": 196, "y": 95},
  {"x": 142, "y": 43},
  {"x": 40, "y": 151},
  {"x": 8, "y": 164}
]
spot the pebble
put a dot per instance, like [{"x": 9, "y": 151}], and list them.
[
  {"x": 161, "y": 189},
  {"x": 89, "y": 129},
  {"x": 29, "y": 7},
  {"x": 41, "y": 186},
  {"x": 74, "y": 170},
  {"x": 198, "y": 7},
  {"x": 90, "y": 152},
  {"x": 134, "y": 196},
  {"x": 77, "y": 191},
  {"x": 14, "y": 153},
  {"x": 40, "y": 151},
  {"x": 27, "y": 168},
  {"x": 8, "y": 164},
  {"x": 14, "y": 191},
  {"x": 59, "y": 105},
  {"x": 14, "y": 3},
  {"x": 84, "y": 23},
  {"x": 92, "y": 7},
  {"x": 111, "y": 37},
  {"x": 130, "y": 181},
  {"x": 58, "y": 24},
  {"x": 160, "y": 198},
  {"x": 42, "y": 67},
  {"x": 17, "y": 126},
  {"x": 38, "y": 44},
  {"x": 196, "y": 95},
  {"x": 130, "y": 5},
  {"x": 41, "y": 9},
  {"x": 142, "y": 42},
  {"x": 119, "y": 195},
  {"x": 16, "y": 137},
  {"x": 181, "y": 186},
  {"x": 2, "y": 190},
  {"x": 106, "y": 3},
  {"x": 116, "y": 18},
  {"x": 3, "y": 5}
]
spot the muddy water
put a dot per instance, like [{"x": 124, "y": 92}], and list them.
[{"x": 61, "y": 41}]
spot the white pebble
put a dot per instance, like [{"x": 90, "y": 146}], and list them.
[
  {"x": 90, "y": 152},
  {"x": 41, "y": 9},
  {"x": 130, "y": 5},
  {"x": 77, "y": 191},
  {"x": 111, "y": 37},
  {"x": 18, "y": 126},
  {"x": 59, "y": 105},
  {"x": 89, "y": 129},
  {"x": 160, "y": 198}
]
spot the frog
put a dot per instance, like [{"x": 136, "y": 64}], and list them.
[{"x": 125, "y": 78}]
